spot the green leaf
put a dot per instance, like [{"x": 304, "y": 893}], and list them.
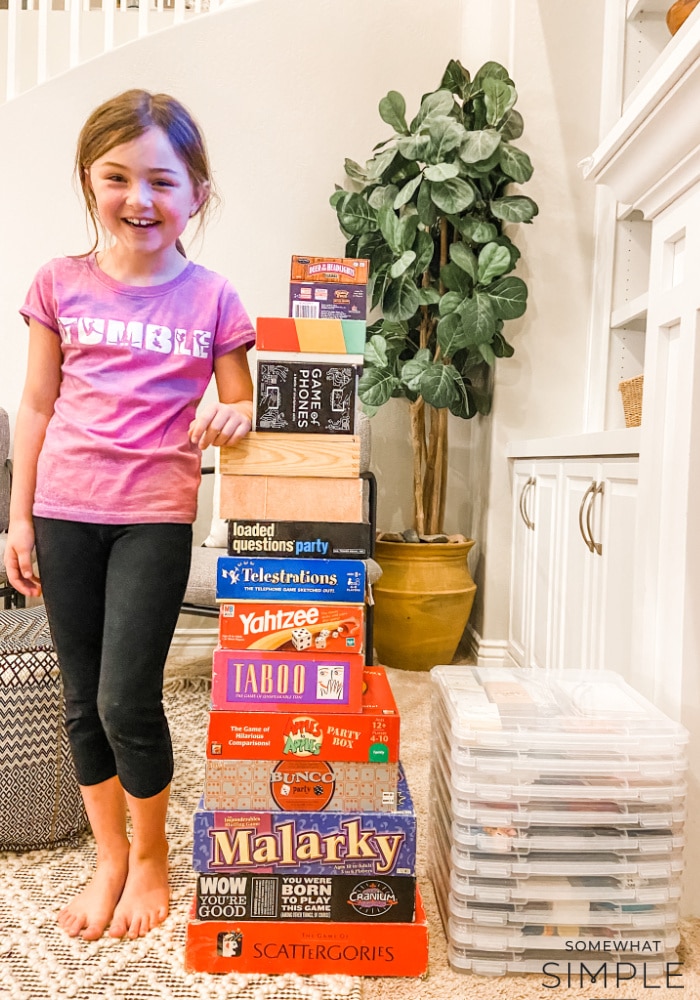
[
  {"x": 412, "y": 371},
  {"x": 401, "y": 299},
  {"x": 499, "y": 98},
  {"x": 478, "y": 318},
  {"x": 487, "y": 354},
  {"x": 356, "y": 215},
  {"x": 480, "y": 399},
  {"x": 428, "y": 296},
  {"x": 455, "y": 78},
  {"x": 438, "y": 385},
  {"x": 516, "y": 208},
  {"x": 491, "y": 70},
  {"x": 378, "y": 164},
  {"x": 392, "y": 110},
  {"x": 402, "y": 264},
  {"x": 425, "y": 250},
  {"x": 464, "y": 258},
  {"x": 355, "y": 171},
  {"x": 453, "y": 195},
  {"x": 512, "y": 126},
  {"x": 515, "y": 163},
  {"x": 371, "y": 411},
  {"x": 478, "y": 231},
  {"x": 509, "y": 297},
  {"x": 407, "y": 192},
  {"x": 376, "y": 386},
  {"x": 501, "y": 347},
  {"x": 382, "y": 195},
  {"x": 479, "y": 145},
  {"x": 375, "y": 352},
  {"x": 389, "y": 227},
  {"x": 427, "y": 211},
  {"x": 440, "y": 102},
  {"x": 406, "y": 231},
  {"x": 442, "y": 171},
  {"x": 377, "y": 285},
  {"x": 414, "y": 147},
  {"x": 450, "y": 302},
  {"x": 338, "y": 195},
  {"x": 446, "y": 135},
  {"x": 450, "y": 334},
  {"x": 455, "y": 279},
  {"x": 494, "y": 260}
]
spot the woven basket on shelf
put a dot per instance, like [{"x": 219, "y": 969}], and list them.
[{"x": 631, "y": 390}]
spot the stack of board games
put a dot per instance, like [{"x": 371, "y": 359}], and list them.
[
  {"x": 305, "y": 835},
  {"x": 557, "y": 823}
]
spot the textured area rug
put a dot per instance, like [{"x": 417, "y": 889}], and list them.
[{"x": 39, "y": 962}]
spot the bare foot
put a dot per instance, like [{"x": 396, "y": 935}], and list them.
[
  {"x": 89, "y": 913},
  {"x": 145, "y": 900}
]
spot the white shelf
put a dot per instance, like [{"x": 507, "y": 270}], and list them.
[
  {"x": 631, "y": 315},
  {"x": 637, "y": 7},
  {"x": 621, "y": 443}
]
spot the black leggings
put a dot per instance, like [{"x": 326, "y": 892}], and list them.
[{"x": 113, "y": 594}]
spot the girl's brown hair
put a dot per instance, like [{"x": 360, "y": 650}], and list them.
[{"x": 126, "y": 117}]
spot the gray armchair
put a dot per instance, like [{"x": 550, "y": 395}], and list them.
[{"x": 9, "y": 596}]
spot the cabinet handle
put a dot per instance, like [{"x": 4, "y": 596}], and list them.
[
  {"x": 586, "y": 496},
  {"x": 521, "y": 503},
  {"x": 595, "y": 546},
  {"x": 531, "y": 487}
]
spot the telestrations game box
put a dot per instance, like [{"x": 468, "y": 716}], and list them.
[
  {"x": 306, "y": 897},
  {"x": 370, "y": 735},
  {"x": 286, "y": 626},
  {"x": 259, "y": 681},
  {"x": 300, "y": 539},
  {"x": 340, "y": 581},
  {"x": 291, "y": 785},
  {"x": 308, "y": 947},
  {"x": 307, "y": 843}
]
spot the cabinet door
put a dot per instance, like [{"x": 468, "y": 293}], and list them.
[
  {"x": 574, "y": 618},
  {"x": 614, "y": 522},
  {"x": 521, "y": 561},
  {"x": 533, "y": 561}
]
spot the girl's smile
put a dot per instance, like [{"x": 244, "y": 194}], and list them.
[{"x": 145, "y": 198}]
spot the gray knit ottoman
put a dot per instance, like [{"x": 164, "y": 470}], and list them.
[{"x": 40, "y": 802}]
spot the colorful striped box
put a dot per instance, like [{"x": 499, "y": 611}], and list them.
[{"x": 316, "y": 336}]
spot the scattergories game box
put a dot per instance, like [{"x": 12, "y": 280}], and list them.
[{"x": 309, "y": 947}]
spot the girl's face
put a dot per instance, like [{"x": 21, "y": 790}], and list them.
[{"x": 144, "y": 194}]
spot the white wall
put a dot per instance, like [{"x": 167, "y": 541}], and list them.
[{"x": 284, "y": 93}]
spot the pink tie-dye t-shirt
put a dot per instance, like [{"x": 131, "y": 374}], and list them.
[{"x": 136, "y": 362}]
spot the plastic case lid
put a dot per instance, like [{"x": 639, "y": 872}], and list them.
[
  {"x": 550, "y": 937},
  {"x": 560, "y": 863},
  {"x": 601, "y": 888},
  {"x": 565, "y": 912},
  {"x": 502, "y": 706},
  {"x": 485, "y": 963}
]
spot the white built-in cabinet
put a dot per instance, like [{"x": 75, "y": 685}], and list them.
[{"x": 572, "y": 569}]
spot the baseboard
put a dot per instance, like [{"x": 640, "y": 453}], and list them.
[{"x": 487, "y": 652}]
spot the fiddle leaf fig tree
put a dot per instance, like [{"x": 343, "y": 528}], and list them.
[{"x": 429, "y": 211}]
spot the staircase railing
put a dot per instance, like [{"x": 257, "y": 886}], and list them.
[{"x": 46, "y": 37}]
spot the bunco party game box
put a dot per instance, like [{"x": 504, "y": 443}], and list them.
[
  {"x": 340, "y": 581},
  {"x": 259, "y": 681},
  {"x": 307, "y": 843},
  {"x": 308, "y": 947},
  {"x": 390, "y": 899},
  {"x": 300, "y": 539},
  {"x": 370, "y": 735},
  {"x": 291, "y": 785},
  {"x": 288, "y": 627}
]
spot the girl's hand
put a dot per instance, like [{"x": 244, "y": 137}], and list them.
[
  {"x": 18, "y": 559},
  {"x": 221, "y": 424}
]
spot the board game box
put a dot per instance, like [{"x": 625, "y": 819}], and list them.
[
  {"x": 300, "y": 539},
  {"x": 339, "y": 581},
  {"x": 287, "y": 626},
  {"x": 327, "y": 300},
  {"x": 258, "y": 681},
  {"x": 308, "y": 398},
  {"x": 316, "y": 336}
]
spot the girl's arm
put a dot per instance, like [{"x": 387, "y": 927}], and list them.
[
  {"x": 231, "y": 418},
  {"x": 40, "y": 392}
]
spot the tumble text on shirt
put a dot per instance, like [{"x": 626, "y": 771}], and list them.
[{"x": 145, "y": 336}]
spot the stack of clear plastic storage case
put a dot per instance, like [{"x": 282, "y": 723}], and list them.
[{"x": 557, "y": 817}]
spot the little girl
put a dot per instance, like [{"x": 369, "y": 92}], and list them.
[{"x": 122, "y": 345}]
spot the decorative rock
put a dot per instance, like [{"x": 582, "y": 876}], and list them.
[
  {"x": 457, "y": 538},
  {"x": 410, "y": 535},
  {"x": 443, "y": 539},
  {"x": 390, "y": 536}
]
